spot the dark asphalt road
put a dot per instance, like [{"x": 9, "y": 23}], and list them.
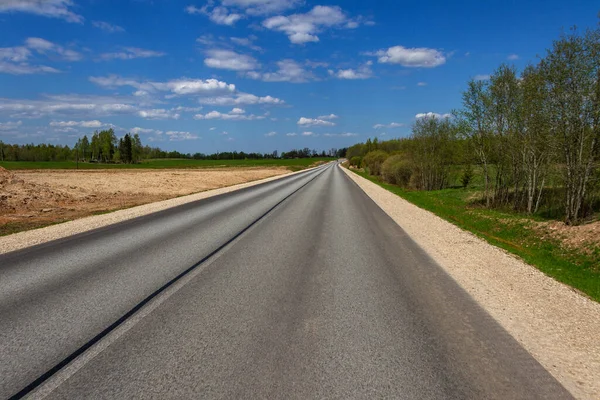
[{"x": 323, "y": 297}]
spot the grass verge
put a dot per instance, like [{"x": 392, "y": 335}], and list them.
[{"x": 512, "y": 232}]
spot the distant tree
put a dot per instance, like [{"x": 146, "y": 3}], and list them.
[
  {"x": 85, "y": 147},
  {"x": 108, "y": 142},
  {"x": 136, "y": 148},
  {"x": 95, "y": 146}
]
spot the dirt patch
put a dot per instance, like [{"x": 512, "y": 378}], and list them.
[
  {"x": 583, "y": 238},
  {"x": 34, "y": 198}
]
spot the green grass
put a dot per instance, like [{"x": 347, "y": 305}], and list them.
[
  {"x": 509, "y": 231},
  {"x": 14, "y": 227},
  {"x": 292, "y": 164}
]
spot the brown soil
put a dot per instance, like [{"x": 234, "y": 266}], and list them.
[
  {"x": 584, "y": 238},
  {"x": 34, "y": 198}
]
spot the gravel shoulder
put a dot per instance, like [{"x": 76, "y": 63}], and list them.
[
  {"x": 25, "y": 239},
  {"x": 553, "y": 322}
]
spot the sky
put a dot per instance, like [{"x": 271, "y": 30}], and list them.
[{"x": 256, "y": 75}]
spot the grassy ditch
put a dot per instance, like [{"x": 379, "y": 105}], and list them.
[{"x": 521, "y": 235}]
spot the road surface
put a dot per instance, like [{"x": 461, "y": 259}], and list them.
[{"x": 298, "y": 288}]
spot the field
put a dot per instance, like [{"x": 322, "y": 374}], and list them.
[
  {"x": 33, "y": 198},
  {"x": 569, "y": 254},
  {"x": 292, "y": 164}
]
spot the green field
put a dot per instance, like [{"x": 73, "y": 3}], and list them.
[
  {"x": 292, "y": 164},
  {"x": 510, "y": 231}
]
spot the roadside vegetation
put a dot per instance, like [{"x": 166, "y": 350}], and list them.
[{"x": 518, "y": 164}]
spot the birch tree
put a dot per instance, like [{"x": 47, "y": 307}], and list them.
[{"x": 571, "y": 70}]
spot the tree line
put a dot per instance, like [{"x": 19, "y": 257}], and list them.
[
  {"x": 530, "y": 133},
  {"x": 104, "y": 147}
]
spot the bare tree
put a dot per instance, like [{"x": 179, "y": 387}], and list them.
[
  {"x": 476, "y": 124},
  {"x": 536, "y": 145},
  {"x": 571, "y": 70}
]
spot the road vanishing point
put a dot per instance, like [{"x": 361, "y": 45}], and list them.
[{"x": 298, "y": 288}]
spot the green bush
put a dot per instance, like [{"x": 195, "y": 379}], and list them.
[
  {"x": 374, "y": 160},
  {"x": 356, "y": 161},
  {"x": 397, "y": 170}
]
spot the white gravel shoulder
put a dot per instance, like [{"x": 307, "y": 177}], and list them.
[
  {"x": 25, "y": 239},
  {"x": 558, "y": 326}
]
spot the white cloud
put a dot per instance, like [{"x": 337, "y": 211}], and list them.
[
  {"x": 44, "y": 46},
  {"x": 289, "y": 71},
  {"x": 363, "y": 72},
  {"x": 422, "y": 84},
  {"x": 237, "y": 114},
  {"x": 8, "y": 126},
  {"x": 183, "y": 86},
  {"x": 432, "y": 115},
  {"x": 345, "y": 134},
  {"x": 25, "y": 69},
  {"x": 129, "y": 53},
  {"x": 218, "y": 15},
  {"x": 186, "y": 109},
  {"x": 241, "y": 99},
  {"x": 481, "y": 77},
  {"x": 47, "y": 8},
  {"x": 314, "y": 122},
  {"x": 303, "y": 28},
  {"x": 212, "y": 128},
  {"x": 227, "y": 59},
  {"x": 308, "y": 134},
  {"x": 262, "y": 7},
  {"x": 80, "y": 124},
  {"x": 328, "y": 117},
  {"x": 270, "y": 134},
  {"x": 66, "y": 130},
  {"x": 291, "y": 134},
  {"x": 158, "y": 113},
  {"x": 512, "y": 57},
  {"x": 247, "y": 42},
  {"x": 107, "y": 27},
  {"x": 138, "y": 130},
  {"x": 15, "y": 54},
  {"x": 175, "y": 136},
  {"x": 390, "y": 125},
  {"x": 195, "y": 86},
  {"x": 67, "y": 105},
  {"x": 316, "y": 64},
  {"x": 410, "y": 57},
  {"x": 207, "y": 40},
  {"x": 221, "y": 16}
]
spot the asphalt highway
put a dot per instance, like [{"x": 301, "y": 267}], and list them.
[{"x": 298, "y": 288}]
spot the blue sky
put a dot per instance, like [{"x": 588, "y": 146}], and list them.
[{"x": 255, "y": 75}]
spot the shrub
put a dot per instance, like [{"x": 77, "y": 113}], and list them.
[
  {"x": 374, "y": 160},
  {"x": 397, "y": 170},
  {"x": 356, "y": 161}
]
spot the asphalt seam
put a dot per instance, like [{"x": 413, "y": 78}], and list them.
[{"x": 96, "y": 339}]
